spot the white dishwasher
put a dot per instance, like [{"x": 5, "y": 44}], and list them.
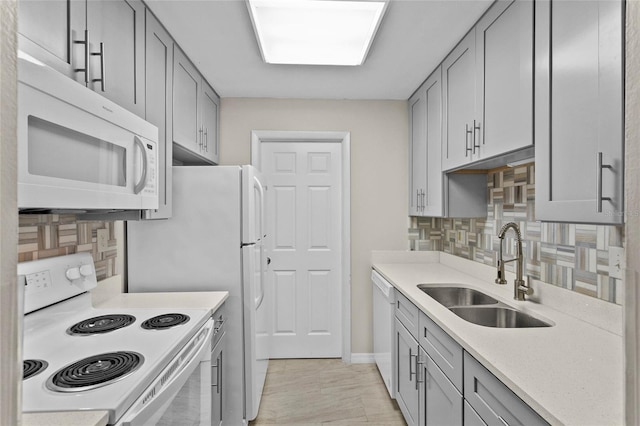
[{"x": 383, "y": 304}]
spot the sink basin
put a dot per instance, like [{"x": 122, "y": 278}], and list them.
[
  {"x": 451, "y": 296},
  {"x": 498, "y": 317}
]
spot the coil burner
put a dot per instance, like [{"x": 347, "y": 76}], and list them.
[
  {"x": 101, "y": 324},
  {"x": 31, "y": 367},
  {"x": 95, "y": 371},
  {"x": 164, "y": 321}
]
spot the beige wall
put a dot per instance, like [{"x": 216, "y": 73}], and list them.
[{"x": 378, "y": 174}]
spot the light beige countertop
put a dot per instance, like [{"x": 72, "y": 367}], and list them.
[
  {"x": 571, "y": 373},
  {"x": 188, "y": 300}
]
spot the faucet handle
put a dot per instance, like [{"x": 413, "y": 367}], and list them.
[{"x": 500, "y": 279}]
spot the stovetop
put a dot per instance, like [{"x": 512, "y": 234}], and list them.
[{"x": 47, "y": 338}]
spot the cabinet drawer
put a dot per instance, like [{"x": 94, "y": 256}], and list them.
[
  {"x": 407, "y": 314},
  {"x": 492, "y": 400},
  {"x": 444, "y": 351},
  {"x": 471, "y": 418}
]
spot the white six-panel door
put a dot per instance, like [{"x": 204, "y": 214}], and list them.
[{"x": 303, "y": 212}]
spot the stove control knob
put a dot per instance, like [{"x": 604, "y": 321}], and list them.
[
  {"x": 86, "y": 270},
  {"x": 73, "y": 274}
]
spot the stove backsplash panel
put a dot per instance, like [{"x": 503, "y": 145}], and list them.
[
  {"x": 41, "y": 236},
  {"x": 573, "y": 256}
]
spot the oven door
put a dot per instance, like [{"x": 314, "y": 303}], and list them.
[{"x": 181, "y": 394}]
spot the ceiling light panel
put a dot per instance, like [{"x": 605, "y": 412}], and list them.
[{"x": 315, "y": 32}]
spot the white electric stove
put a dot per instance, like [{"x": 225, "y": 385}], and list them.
[{"x": 132, "y": 363}]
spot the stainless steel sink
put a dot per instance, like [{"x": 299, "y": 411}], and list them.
[
  {"x": 451, "y": 296},
  {"x": 499, "y": 317}
]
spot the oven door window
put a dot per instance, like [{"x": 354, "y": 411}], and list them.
[{"x": 59, "y": 152}]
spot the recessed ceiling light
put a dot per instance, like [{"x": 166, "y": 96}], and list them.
[{"x": 315, "y": 32}]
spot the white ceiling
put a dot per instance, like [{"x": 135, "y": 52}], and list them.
[{"x": 413, "y": 38}]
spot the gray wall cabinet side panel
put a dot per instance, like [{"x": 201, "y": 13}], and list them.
[
  {"x": 442, "y": 349},
  {"x": 504, "y": 54},
  {"x": 466, "y": 194},
  {"x": 492, "y": 400},
  {"x": 579, "y": 110},
  {"x": 433, "y": 204},
  {"x": 47, "y": 31},
  {"x": 158, "y": 109},
  {"x": 406, "y": 369}
]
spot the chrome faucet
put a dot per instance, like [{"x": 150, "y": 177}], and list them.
[{"x": 520, "y": 288}]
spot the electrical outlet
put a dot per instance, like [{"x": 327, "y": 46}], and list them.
[
  {"x": 103, "y": 240},
  {"x": 617, "y": 262}
]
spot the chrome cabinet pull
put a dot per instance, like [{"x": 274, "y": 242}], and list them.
[
  {"x": 217, "y": 375},
  {"x": 411, "y": 363},
  {"x": 201, "y": 137},
  {"x": 476, "y": 127},
  {"x": 143, "y": 179},
  {"x": 466, "y": 140},
  {"x": 599, "y": 197},
  {"x": 102, "y": 66},
  {"x": 417, "y": 200},
  {"x": 424, "y": 195},
  {"x": 85, "y": 70},
  {"x": 420, "y": 370},
  {"x": 206, "y": 139}
]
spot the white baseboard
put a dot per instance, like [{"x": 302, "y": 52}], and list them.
[{"x": 363, "y": 358}]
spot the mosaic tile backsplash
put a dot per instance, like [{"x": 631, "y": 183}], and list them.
[
  {"x": 41, "y": 236},
  {"x": 572, "y": 256}
]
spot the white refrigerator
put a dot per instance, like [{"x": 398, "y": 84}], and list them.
[{"x": 214, "y": 241}]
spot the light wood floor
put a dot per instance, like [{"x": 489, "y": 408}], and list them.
[{"x": 310, "y": 392}]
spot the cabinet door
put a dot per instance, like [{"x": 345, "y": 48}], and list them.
[
  {"x": 406, "y": 371},
  {"x": 504, "y": 57},
  {"x": 579, "y": 111},
  {"x": 158, "y": 93},
  {"x": 117, "y": 71},
  {"x": 217, "y": 383},
  {"x": 210, "y": 113},
  {"x": 417, "y": 151},
  {"x": 49, "y": 30},
  {"x": 433, "y": 197},
  {"x": 186, "y": 89},
  {"x": 458, "y": 81},
  {"x": 441, "y": 402}
]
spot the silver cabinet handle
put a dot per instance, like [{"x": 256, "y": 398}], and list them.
[
  {"x": 85, "y": 70},
  {"x": 412, "y": 363},
  {"x": 599, "y": 197},
  {"x": 476, "y": 126},
  {"x": 201, "y": 137},
  {"x": 102, "y": 66},
  {"x": 206, "y": 139},
  {"x": 424, "y": 195},
  {"x": 419, "y": 370},
  {"x": 417, "y": 200},
  {"x": 143, "y": 179},
  {"x": 466, "y": 140},
  {"x": 217, "y": 375}
]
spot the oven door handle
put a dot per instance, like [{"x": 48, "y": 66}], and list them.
[{"x": 164, "y": 389}]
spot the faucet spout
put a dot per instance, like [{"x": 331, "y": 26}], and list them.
[{"x": 520, "y": 288}]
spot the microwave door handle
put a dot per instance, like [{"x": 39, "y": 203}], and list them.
[{"x": 143, "y": 179}]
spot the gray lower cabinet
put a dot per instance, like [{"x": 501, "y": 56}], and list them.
[
  {"x": 407, "y": 351},
  {"x": 579, "y": 130},
  {"x": 439, "y": 384},
  {"x": 495, "y": 403},
  {"x": 158, "y": 111},
  {"x": 440, "y": 402},
  {"x": 217, "y": 383}
]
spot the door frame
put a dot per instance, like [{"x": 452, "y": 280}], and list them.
[{"x": 344, "y": 139}]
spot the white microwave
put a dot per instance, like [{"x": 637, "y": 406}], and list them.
[{"x": 78, "y": 151}]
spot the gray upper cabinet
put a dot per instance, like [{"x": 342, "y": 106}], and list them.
[
  {"x": 195, "y": 110},
  {"x": 116, "y": 51},
  {"x": 49, "y": 30},
  {"x": 80, "y": 40},
  {"x": 158, "y": 80},
  {"x": 488, "y": 88},
  {"x": 504, "y": 55},
  {"x": 425, "y": 126},
  {"x": 459, "y": 144},
  {"x": 579, "y": 111}
]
